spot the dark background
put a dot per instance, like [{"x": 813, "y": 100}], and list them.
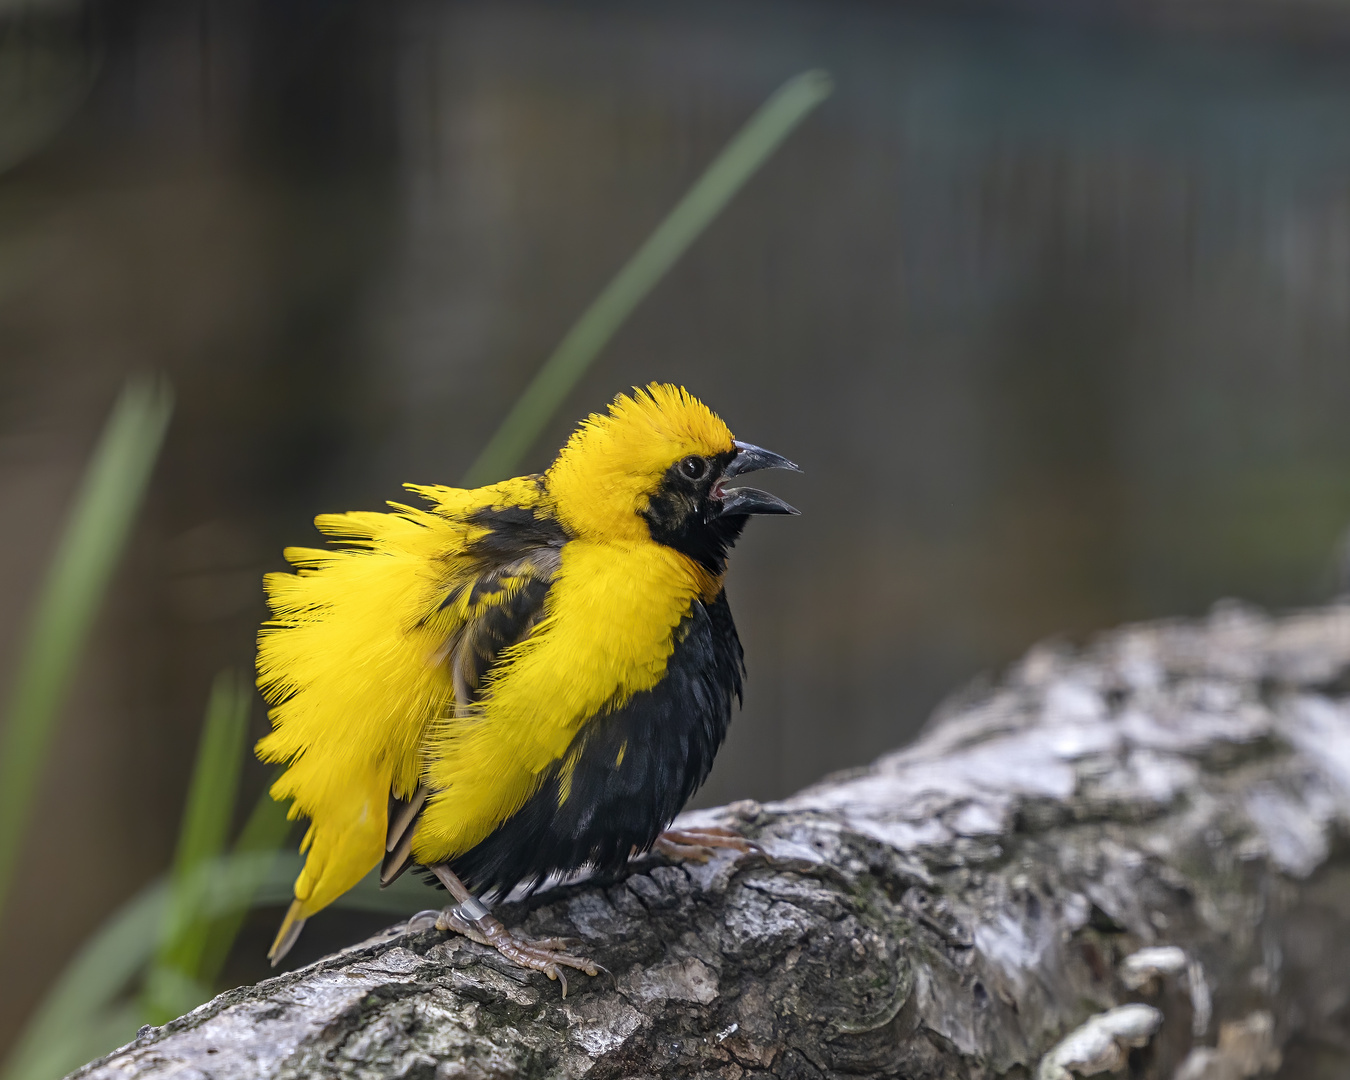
[{"x": 1054, "y": 311}]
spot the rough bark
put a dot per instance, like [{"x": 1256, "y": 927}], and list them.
[{"x": 1127, "y": 856}]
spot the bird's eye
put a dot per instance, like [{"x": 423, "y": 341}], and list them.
[{"x": 694, "y": 467}]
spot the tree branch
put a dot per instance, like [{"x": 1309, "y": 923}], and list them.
[{"x": 1129, "y": 856}]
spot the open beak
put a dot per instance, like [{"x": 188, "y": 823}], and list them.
[{"x": 745, "y": 500}]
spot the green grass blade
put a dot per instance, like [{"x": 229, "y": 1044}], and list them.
[
  {"x": 100, "y": 521},
  {"x": 88, "y": 990},
  {"x": 175, "y": 976},
  {"x": 68, "y": 1049},
  {"x": 110, "y": 1029},
  {"x": 80, "y": 1017},
  {"x": 92, "y": 980},
  {"x": 262, "y": 835},
  {"x": 762, "y": 134}
]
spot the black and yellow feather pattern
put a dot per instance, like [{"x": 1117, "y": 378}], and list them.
[{"x": 516, "y": 680}]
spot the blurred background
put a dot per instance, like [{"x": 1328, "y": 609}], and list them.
[{"x": 1053, "y": 308}]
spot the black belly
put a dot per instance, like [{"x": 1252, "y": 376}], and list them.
[{"x": 630, "y": 772}]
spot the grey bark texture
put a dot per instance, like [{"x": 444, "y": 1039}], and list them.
[{"x": 1128, "y": 857}]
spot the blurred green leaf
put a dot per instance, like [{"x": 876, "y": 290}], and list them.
[
  {"x": 95, "y": 981},
  {"x": 84, "y": 1014},
  {"x": 262, "y": 835},
  {"x": 91, "y": 543},
  {"x": 739, "y": 160},
  {"x": 92, "y": 980},
  {"x": 174, "y": 983},
  {"x": 70, "y": 1048}
]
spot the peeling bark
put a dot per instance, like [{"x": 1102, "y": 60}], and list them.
[{"x": 1127, "y": 857}]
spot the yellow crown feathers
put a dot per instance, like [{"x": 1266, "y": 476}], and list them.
[{"x": 613, "y": 462}]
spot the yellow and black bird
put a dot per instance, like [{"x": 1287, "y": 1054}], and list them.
[{"x": 520, "y": 680}]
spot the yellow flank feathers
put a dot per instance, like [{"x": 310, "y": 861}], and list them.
[
  {"x": 383, "y": 671},
  {"x": 347, "y": 662}
]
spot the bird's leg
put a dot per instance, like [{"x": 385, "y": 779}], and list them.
[
  {"x": 697, "y": 844},
  {"x": 470, "y": 918}
]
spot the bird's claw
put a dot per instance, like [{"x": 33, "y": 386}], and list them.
[
  {"x": 547, "y": 955},
  {"x": 701, "y": 842},
  {"x": 423, "y": 920}
]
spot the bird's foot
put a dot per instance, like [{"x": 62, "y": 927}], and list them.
[
  {"x": 700, "y": 843},
  {"x": 548, "y": 955}
]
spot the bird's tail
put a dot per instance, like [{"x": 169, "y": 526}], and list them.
[
  {"x": 291, "y": 926},
  {"x": 338, "y": 855}
]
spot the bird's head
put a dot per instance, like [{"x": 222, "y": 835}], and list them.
[{"x": 658, "y": 466}]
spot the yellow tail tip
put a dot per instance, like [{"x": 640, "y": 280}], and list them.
[{"x": 291, "y": 926}]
